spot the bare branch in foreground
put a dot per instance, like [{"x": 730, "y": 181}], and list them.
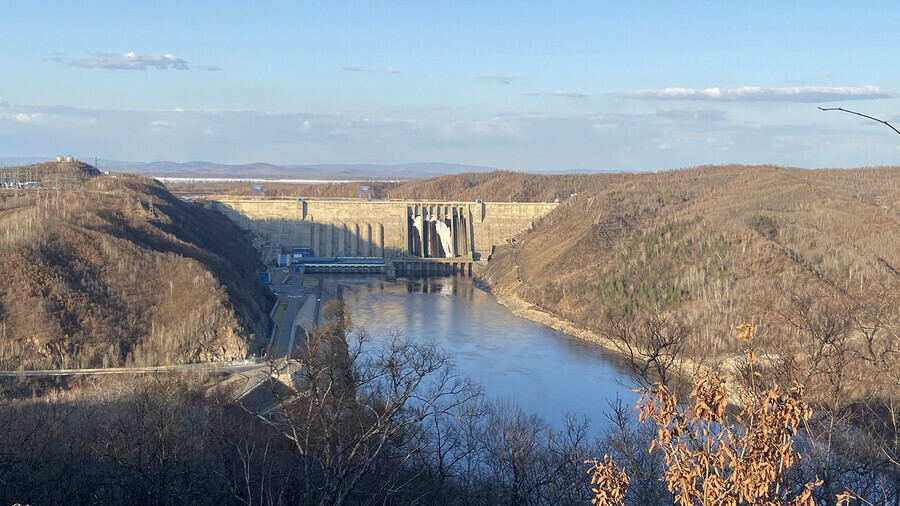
[{"x": 860, "y": 114}]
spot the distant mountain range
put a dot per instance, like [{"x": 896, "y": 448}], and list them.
[{"x": 268, "y": 170}]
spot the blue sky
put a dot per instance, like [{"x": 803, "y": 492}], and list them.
[{"x": 525, "y": 85}]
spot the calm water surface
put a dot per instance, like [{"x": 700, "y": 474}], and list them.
[{"x": 545, "y": 371}]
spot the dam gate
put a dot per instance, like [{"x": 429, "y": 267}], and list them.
[{"x": 415, "y": 238}]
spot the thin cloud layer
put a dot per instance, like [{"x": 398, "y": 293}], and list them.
[
  {"x": 569, "y": 94},
  {"x": 389, "y": 70},
  {"x": 130, "y": 61},
  {"x": 559, "y": 93},
  {"x": 499, "y": 79},
  {"x": 759, "y": 94},
  {"x": 22, "y": 117},
  {"x": 651, "y": 140}
]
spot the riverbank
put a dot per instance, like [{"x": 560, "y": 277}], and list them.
[
  {"x": 529, "y": 311},
  {"x": 684, "y": 368}
]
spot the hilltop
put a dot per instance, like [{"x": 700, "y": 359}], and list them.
[
  {"x": 62, "y": 174},
  {"x": 118, "y": 272},
  {"x": 203, "y": 169},
  {"x": 494, "y": 186}
]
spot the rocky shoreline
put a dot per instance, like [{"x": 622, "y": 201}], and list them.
[
  {"x": 529, "y": 311},
  {"x": 686, "y": 368}
]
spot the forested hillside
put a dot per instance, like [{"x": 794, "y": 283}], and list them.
[
  {"x": 810, "y": 257},
  {"x": 115, "y": 271}
]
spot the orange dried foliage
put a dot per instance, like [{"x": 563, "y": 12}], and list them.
[
  {"x": 609, "y": 483},
  {"x": 711, "y": 460},
  {"x": 746, "y": 331}
]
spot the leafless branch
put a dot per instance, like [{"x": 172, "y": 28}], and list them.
[{"x": 860, "y": 114}]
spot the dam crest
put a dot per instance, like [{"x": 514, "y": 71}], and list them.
[{"x": 413, "y": 237}]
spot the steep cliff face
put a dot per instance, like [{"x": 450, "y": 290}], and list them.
[{"x": 118, "y": 272}]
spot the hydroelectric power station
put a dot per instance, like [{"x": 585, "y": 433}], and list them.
[{"x": 414, "y": 238}]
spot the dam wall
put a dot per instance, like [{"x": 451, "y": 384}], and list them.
[{"x": 390, "y": 229}]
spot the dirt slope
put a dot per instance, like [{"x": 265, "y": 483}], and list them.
[{"x": 119, "y": 272}]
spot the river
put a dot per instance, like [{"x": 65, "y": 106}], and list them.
[{"x": 545, "y": 371}]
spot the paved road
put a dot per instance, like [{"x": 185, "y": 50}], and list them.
[
  {"x": 259, "y": 392},
  {"x": 284, "y": 335},
  {"x": 239, "y": 367},
  {"x": 301, "y": 308}
]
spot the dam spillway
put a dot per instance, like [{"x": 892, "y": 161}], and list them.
[{"x": 405, "y": 233}]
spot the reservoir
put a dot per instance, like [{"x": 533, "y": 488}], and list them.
[{"x": 545, "y": 371}]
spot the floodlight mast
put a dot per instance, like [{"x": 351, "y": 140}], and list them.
[{"x": 860, "y": 114}]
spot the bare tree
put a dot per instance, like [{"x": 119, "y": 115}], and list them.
[
  {"x": 519, "y": 465},
  {"x": 152, "y": 443},
  {"x": 652, "y": 345},
  {"x": 626, "y": 442},
  {"x": 357, "y": 418}
]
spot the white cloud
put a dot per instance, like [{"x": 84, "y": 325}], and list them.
[
  {"x": 22, "y": 117},
  {"x": 162, "y": 124},
  {"x": 759, "y": 94},
  {"x": 26, "y": 117},
  {"x": 129, "y": 61}
]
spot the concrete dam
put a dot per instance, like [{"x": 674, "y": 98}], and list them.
[{"x": 414, "y": 238}]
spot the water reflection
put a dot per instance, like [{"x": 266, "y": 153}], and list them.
[{"x": 545, "y": 371}]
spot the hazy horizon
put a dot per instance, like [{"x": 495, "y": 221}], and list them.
[{"x": 525, "y": 87}]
